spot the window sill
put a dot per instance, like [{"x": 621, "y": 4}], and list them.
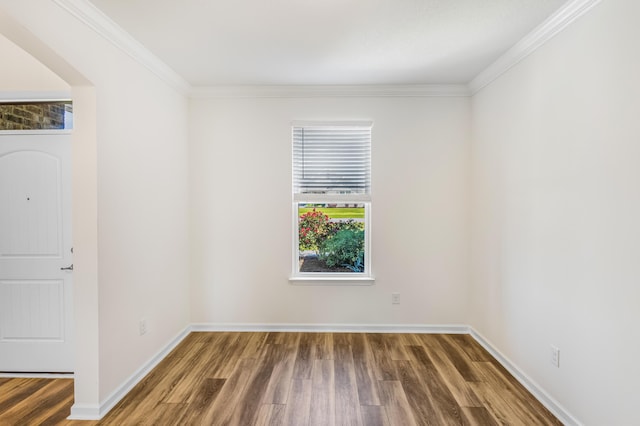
[{"x": 338, "y": 279}]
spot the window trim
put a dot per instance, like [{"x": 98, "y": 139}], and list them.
[{"x": 332, "y": 278}]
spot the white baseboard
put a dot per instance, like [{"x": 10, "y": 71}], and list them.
[
  {"x": 85, "y": 412},
  {"x": 96, "y": 412},
  {"x": 538, "y": 392},
  {"x": 334, "y": 328}
]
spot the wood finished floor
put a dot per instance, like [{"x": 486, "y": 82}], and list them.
[{"x": 302, "y": 379}]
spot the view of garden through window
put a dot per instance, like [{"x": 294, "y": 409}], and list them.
[{"x": 331, "y": 237}]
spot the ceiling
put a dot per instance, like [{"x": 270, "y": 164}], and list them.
[{"x": 328, "y": 42}]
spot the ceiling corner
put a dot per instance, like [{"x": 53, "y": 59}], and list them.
[
  {"x": 557, "y": 22},
  {"x": 91, "y": 16}
]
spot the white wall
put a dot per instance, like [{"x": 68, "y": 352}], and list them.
[
  {"x": 242, "y": 222},
  {"x": 555, "y": 172},
  {"x": 141, "y": 249},
  {"x": 21, "y": 72}
]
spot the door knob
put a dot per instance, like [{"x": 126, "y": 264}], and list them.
[{"x": 68, "y": 268}]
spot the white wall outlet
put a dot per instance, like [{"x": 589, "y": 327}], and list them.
[
  {"x": 395, "y": 298},
  {"x": 555, "y": 356},
  {"x": 143, "y": 326}
]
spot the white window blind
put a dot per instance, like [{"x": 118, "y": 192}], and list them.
[{"x": 332, "y": 159}]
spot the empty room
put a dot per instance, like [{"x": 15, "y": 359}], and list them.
[{"x": 417, "y": 212}]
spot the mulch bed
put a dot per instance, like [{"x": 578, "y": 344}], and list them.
[{"x": 312, "y": 264}]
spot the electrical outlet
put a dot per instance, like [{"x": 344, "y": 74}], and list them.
[
  {"x": 143, "y": 326},
  {"x": 555, "y": 356},
  {"x": 395, "y": 298}
]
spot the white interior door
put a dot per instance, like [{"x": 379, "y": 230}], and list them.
[{"x": 36, "y": 298}]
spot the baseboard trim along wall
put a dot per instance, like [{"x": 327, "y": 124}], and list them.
[
  {"x": 92, "y": 412},
  {"x": 538, "y": 392},
  {"x": 335, "y": 328}
]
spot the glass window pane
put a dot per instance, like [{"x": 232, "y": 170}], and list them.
[
  {"x": 331, "y": 237},
  {"x": 36, "y": 115}
]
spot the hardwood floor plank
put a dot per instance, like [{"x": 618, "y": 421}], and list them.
[
  {"x": 163, "y": 414},
  {"x": 304, "y": 357},
  {"x": 252, "y": 396},
  {"x": 52, "y": 412},
  {"x": 49, "y": 393},
  {"x": 183, "y": 389},
  {"x": 346, "y": 389},
  {"x": 417, "y": 395},
  {"x": 280, "y": 381},
  {"x": 395, "y": 344},
  {"x": 298, "y": 406},
  {"x": 22, "y": 389},
  {"x": 365, "y": 376},
  {"x": 58, "y": 415},
  {"x": 224, "y": 361},
  {"x": 254, "y": 346},
  {"x": 374, "y": 415},
  {"x": 380, "y": 357},
  {"x": 340, "y": 339},
  {"x": 395, "y": 403},
  {"x": 159, "y": 382},
  {"x": 477, "y": 416},
  {"x": 222, "y": 409},
  {"x": 205, "y": 395},
  {"x": 409, "y": 339},
  {"x": 474, "y": 351},
  {"x": 276, "y": 338},
  {"x": 322, "y": 411},
  {"x": 217, "y": 360},
  {"x": 324, "y": 345},
  {"x": 497, "y": 407},
  {"x": 447, "y": 410},
  {"x": 528, "y": 410},
  {"x": 457, "y": 385},
  {"x": 458, "y": 357},
  {"x": 270, "y": 415}
]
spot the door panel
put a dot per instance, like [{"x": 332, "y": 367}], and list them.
[
  {"x": 30, "y": 195},
  {"x": 35, "y": 243},
  {"x": 32, "y": 310}
]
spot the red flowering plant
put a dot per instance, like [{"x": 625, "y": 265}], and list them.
[{"x": 313, "y": 228}]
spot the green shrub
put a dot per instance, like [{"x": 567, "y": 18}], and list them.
[
  {"x": 345, "y": 248},
  {"x": 346, "y": 225}
]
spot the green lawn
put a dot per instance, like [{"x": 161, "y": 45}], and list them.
[{"x": 336, "y": 212}]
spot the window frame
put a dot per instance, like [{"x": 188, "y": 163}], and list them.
[{"x": 332, "y": 278}]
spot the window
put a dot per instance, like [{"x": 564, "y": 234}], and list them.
[
  {"x": 36, "y": 115},
  {"x": 332, "y": 200}
]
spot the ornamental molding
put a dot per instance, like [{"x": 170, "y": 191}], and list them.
[
  {"x": 556, "y": 23},
  {"x": 95, "y": 19}
]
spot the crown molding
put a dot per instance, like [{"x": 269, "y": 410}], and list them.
[
  {"x": 330, "y": 91},
  {"x": 557, "y": 22},
  {"x": 91, "y": 16},
  {"x": 95, "y": 19}
]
